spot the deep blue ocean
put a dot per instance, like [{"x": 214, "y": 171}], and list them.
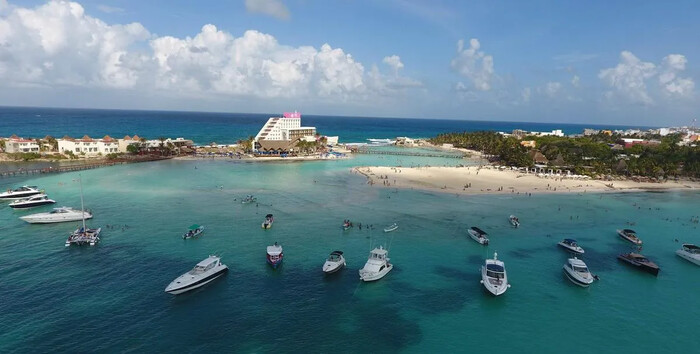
[{"x": 225, "y": 128}]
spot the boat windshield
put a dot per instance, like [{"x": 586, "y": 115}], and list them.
[
  {"x": 197, "y": 269},
  {"x": 333, "y": 258},
  {"x": 494, "y": 274},
  {"x": 692, "y": 249},
  {"x": 581, "y": 269},
  {"x": 377, "y": 256}
]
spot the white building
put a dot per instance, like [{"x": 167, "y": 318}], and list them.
[
  {"x": 287, "y": 127},
  {"x": 15, "y": 145},
  {"x": 124, "y": 142},
  {"x": 88, "y": 146}
]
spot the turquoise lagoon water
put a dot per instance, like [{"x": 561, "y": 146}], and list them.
[{"x": 110, "y": 297}]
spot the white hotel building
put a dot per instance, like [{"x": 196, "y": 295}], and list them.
[
  {"x": 288, "y": 127},
  {"x": 88, "y": 146}
]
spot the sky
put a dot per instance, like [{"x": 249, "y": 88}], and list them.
[{"x": 602, "y": 62}]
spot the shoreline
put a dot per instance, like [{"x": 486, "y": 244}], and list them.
[
  {"x": 476, "y": 180},
  {"x": 260, "y": 159}
]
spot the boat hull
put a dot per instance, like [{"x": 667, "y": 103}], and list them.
[
  {"x": 197, "y": 284},
  {"x": 18, "y": 195},
  {"x": 482, "y": 240},
  {"x": 330, "y": 268},
  {"x": 571, "y": 249},
  {"x": 642, "y": 267},
  {"x": 623, "y": 236},
  {"x": 372, "y": 276},
  {"x": 688, "y": 257},
  {"x": 577, "y": 280},
  {"x": 42, "y": 220},
  {"x": 266, "y": 226},
  {"x": 32, "y": 205}
]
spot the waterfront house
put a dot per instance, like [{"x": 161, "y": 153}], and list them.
[
  {"x": 16, "y": 144},
  {"x": 88, "y": 146}
]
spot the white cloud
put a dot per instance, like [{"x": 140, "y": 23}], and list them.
[
  {"x": 525, "y": 94},
  {"x": 474, "y": 64},
  {"x": 109, "y": 9},
  {"x": 3, "y": 4},
  {"x": 628, "y": 78},
  {"x": 394, "y": 62},
  {"x": 669, "y": 80},
  {"x": 274, "y": 8},
  {"x": 552, "y": 88},
  {"x": 575, "y": 81}
]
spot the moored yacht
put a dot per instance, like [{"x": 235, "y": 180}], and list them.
[
  {"x": 577, "y": 272},
  {"x": 274, "y": 255},
  {"x": 629, "y": 235},
  {"x": 21, "y": 192},
  {"x": 494, "y": 277},
  {"x": 334, "y": 263},
  {"x": 84, "y": 235},
  {"x": 514, "y": 220},
  {"x": 268, "y": 221},
  {"x": 571, "y": 245},
  {"x": 34, "y": 201},
  {"x": 203, "y": 273},
  {"x": 194, "y": 231},
  {"x": 639, "y": 261},
  {"x": 377, "y": 265},
  {"x": 61, "y": 214},
  {"x": 478, "y": 235},
  {"x": 392, "y": 227},
  {"x": 690, "y": 252}
]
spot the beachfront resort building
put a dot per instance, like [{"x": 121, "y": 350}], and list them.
[
  {"x": 18, "y": 145},
  {"x": 88, "y": 146},
  {"x": 288, "y": 127}
]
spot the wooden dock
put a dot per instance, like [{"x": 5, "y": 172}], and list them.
[{"x": 58, "y": 169}]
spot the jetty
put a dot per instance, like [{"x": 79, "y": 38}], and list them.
[
  {"x": 365, "y": 150},
  {"x": 77, "y": 167}
]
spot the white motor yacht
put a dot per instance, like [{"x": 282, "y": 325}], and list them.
[
  {"x": 392, "y": 227},
  {"x": 61, "y": 214},
  {"x": 21, "y": 192},
  {"x": 334, "y": 263},
  {"x": 478, "y": 235},
  {"x": 577, "y": 271},
  {"x": 690, "y": 252},
  {"x": 34, "y": 201},
  {"x": 514, "y": 220},
  {"x": 377, "y": 265},
  {"x": 571, "y": 245},
  {"x": 203, "y": 273},
  {"x": 494, "y": 277},
  {"x": 630, "y": 235}
]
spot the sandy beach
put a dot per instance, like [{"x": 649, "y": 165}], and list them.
[{"x": 480, "y": 180}]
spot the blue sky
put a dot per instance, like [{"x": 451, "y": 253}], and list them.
[{"x": 615, "y": 62}]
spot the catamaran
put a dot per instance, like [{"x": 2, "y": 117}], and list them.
[{"x": 83, "y": 235}]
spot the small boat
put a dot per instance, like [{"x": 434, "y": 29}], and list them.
[
  {"x": 571, "y": 245},
  {"x": 690, "y": 252},
  {"x": 21, "y": 192},
  {"x": 268, "y": 221},
  {"x": 377, "y": 265},
  {"x": 274, "y": 255},
  {"x": 577, "y": 271},
  {"x": 514, "y": 220},
  {"x": 494, "y": 277},
  {"x": 249, "y": 199},
  {"x": 640, "y": 262},
  {"x": 203, "y": 273},
  {"x": 629, "y": 235},
  {"x": 194, "y": 231},
  {"x": 392, "y": 227},
  {"x": 334, "y": 263},
  {"x": 34, "y": 201},
  {"x": 84, "y": 235},
  {"x": 478, "y": 235},
  {"x": 347, "y": 224},
  {"x": 61, "y": 214}
]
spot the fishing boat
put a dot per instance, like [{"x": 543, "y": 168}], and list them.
[
  {"x": 84, "y": 235},
  {"x": 194, "y": 231},
  {"x": 334, "y": 263},
  {"x": 690, "y": 253},
  {"x": 639, "y": 261},
  {"x": 392, "y": 227},
  {"x": 346, "y": 224},
  {"x": 34, "y": 201},
  {"x": 478, "y": 235},
  {"x": 249, "y": 199},
  {"x": 629, "y": 235},
  {"x": 577, "y": 272},
  {"x": 274, "y": 255},
  {"x": 21, "y": 192},
  {"x": 268, "y": 221},
  {"x": 56, "y": 215},
  {"x": 514, "y": 221},
  {"x": 494, "y": 277},
  {"x": 377, "y": 265},
  {"x": 571, "y": 245},
  {"x": 203, "y": 273}
]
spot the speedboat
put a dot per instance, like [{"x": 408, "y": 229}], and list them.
[
  {"x": 690, "y": 252},
  {"x": 514, "y": 220},
  {"x": 274, "y": 255},
  {"x": 84, "y": 236},
  {"x": 194, "y": 231},
  {"x": 629, "y": 235},
  {"x": 268, "y": 221},
  {"x": 479, "y": 235},
  {"x": 334, "y": 263},
  {"x": 249, "y": 199},
  {"x": 391, "y": 227},
  {"x": 347, "y": 224},
  {"x": 21, "y": 192},
  {"x": 494, "y": 277},
  {"x": 377, "y": 265},
  {"x": 32, "y": 202},
  {"x": 203, "y": 273},
  {"x": 61, "y": 214},
  {"x": 641, "y": 262},
  {"x": 577, "y": 271},
  {"x": 571, "y": 245}
]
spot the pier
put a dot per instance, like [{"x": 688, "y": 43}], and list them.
[
  {"x": 72, "y": 168},
  {"x": 365, "y": 150}
]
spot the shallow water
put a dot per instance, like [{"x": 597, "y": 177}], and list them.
[{"x": 110, "y": 297}]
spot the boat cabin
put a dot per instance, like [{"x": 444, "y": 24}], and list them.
[
  {"x": 495, "y": 271},
  {"x": 205, "y": 265},
  {"x": 335, "y": 256},
  {"x": 378, "y": 254},
  {"x": 577, "y": 265},
  {"x": 479, "y": 231},
  {"x": 570, "y": 242},
  {"x": 692, "y": 249}
]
